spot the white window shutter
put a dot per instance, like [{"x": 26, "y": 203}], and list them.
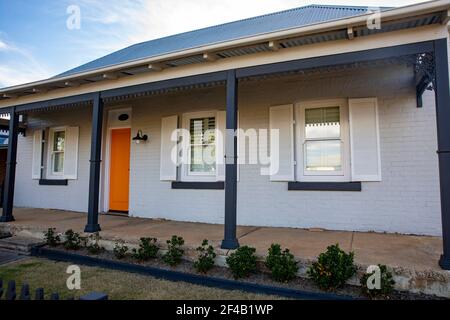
[
  {"x": 71, "y": 153},
  {"x": 364, "y": 140},
  {"x": 37, "y": 154},
  {"x": 282, "y": 162},
  {"x": 168, "y": 167},
  {"x": 221, "y": 119}
]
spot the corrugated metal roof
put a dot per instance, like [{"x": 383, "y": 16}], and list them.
[{"x": 273, "y": 22}]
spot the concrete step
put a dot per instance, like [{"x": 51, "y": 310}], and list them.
[
  {"x": 7, "y": 256},
  {"x": 19, "y": 244}
]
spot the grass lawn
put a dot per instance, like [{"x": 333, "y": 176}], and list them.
[{"x": 118, "y": 285}]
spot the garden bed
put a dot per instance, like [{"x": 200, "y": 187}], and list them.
[{"x": 261, "y": 282}]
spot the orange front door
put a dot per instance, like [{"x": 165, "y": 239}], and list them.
[{"x": 119, "y": 171}]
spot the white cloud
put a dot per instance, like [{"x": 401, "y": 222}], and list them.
[
  {"x": 3, "y": 46},
  {"x": 18, "y": 66},
  {"x": 15, "y": 74}
]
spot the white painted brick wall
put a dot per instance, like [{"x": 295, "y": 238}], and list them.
[
  {"x": 406, "y": 201},
  {"x": 73, "y": 197}
]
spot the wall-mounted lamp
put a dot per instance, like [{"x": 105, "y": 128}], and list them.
[{"x": 139, "y": 137}]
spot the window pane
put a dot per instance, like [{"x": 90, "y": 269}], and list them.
[
  {"x": 203, "y": 150},
  {"x": 58, "y": 162},
  {"x": 203, "y": 159},
  {"x": 323, "y": 155},
  {"x": 59, "y": 140},
  {"x": 322, "y": 123},
  {"x": 202, "y": 130}
]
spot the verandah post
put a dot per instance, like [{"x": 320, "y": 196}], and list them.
[
  {"x": 8, "y": 194},
  {"x": 442, "y": 92},
  {"x": 230, "y": 240},
  {"x": 95, "y": 162}
]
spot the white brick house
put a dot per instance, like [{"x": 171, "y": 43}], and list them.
[{"x": 357, "y": 129}]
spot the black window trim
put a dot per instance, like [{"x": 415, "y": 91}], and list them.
[
  {"x": 324, "y": 186},
  {"x": 198, "y": 185},
  {"x": 53, "y": 182}
]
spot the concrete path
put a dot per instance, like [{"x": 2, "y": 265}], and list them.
[{"x": 411, "y": 252}]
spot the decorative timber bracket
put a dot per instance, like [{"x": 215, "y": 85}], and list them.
[{"x": 425, "y": 75}]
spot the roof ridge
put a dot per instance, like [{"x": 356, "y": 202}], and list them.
[{"x": 343, "y": 7}]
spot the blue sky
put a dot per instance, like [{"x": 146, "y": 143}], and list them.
[{"x": 35, "y": 42}]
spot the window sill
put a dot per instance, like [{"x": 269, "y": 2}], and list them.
[
  {"x": 216, "y": 185},
  {"x": 53, "y": 182},
  {"x": 324, "y": 186}
]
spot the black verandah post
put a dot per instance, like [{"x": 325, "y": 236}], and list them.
[
  {"x": 442, "y": 92},
  {"x": 230, "y": 241},
  {"x": 95, "y": 162},
  {"x": 8, "y": 195}
]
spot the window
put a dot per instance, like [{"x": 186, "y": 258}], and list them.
[
  {"x": 200, "y": 147},
  {"x": 322, "y": 141},
  {"x": 58, "y": 148},
  {"x": 55, "y": 153}
]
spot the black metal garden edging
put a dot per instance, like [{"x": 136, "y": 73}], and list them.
[
  {"x": 25, "y": 293},
  {"x": 58, "y": 255}
]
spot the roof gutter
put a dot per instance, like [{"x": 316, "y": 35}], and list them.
[{"x": 391, "y": 14}]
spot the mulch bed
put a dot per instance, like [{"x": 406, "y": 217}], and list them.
[{"x": 260, "y": 278}]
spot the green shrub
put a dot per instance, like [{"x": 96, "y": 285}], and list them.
[
  {"x": 386, "y": 283},
  {"x": 333, "y": 268},
  {"x": 52, "y": 238},
  {"x": 206, "y": 256},
  {"x": 174, "y": 251},
  {"x": 147, "y": 249},
  {"x": 281, "y": 263},
  {"x": 120, "y": 249},
  {"x": 242, "y": 262},
  {"x": 93, "y": 244},
  {"x": 73, "y": 240}
]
